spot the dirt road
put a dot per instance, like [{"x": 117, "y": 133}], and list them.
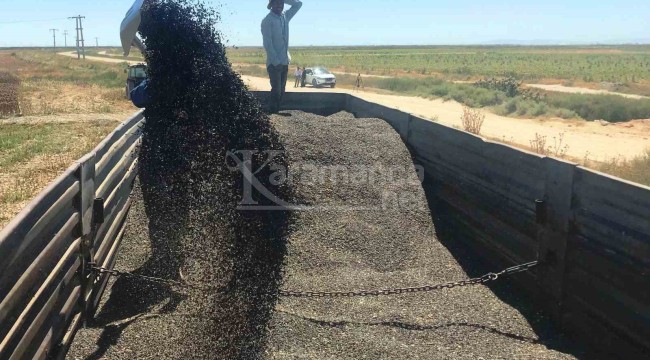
[
  {"x": 584, "y": 139},
  {"x": 590, "y": 140},
  {"x": 117, "y": 60}
]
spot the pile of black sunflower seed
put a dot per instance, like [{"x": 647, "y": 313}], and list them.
[{"x": 200, "y": 111}]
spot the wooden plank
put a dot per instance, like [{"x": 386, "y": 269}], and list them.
[
  {"x": 518, "y": 160},
  {"x": 629, "y": 277},
  {"x": 68, "y": 261},
  {"x": 86, "y": 178},
  {"x": 485, "y": 160},
  {"x": 127, "y": 181},
  {"x": 515, "y": 211},
  {"x": 40, "y": 320},
  {"x": 112, "y": 210},
  {"x": 108, "y": 241},
  {"x": 68, "y": 338},
  {"x": 615, "y": 212},
  {"x": 429, "y": 134},
  {"x": 507, "y": 209},
  {"x": 37, "y": 277},
  {"x": 62, "y": 320},
  {"x": 108, "y": 263},
  {"x": 593, "y": 332},
  {"x": 117, "y": 172},
  {"x": 480, "y": 243},
  {"x": 613, "y": 236},
  {"x": 17, "y": 255},
  {"x": 121, "y": 148},
  {"x": 633, "y": 202},
  {"x": 628, "y": 190},
  {"x": 479, "y": 163},
  {"x": 523, "y": 196},
  {"x": 498, "y": 234},
  {"x": 615, "y": 308},
  {"x": 513, "y": 186},
  {"x": 554, "y": 230},
  {"x": 322, "y": 103},
  {"x": 53, "y": 319},
  {"x": 19, "y": 226},
  {"x": 37, "y": 218},
  {"x": 123, "y": 128}
]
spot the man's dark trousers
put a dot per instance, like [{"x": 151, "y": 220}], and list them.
[{"x": 278, "y": 76}]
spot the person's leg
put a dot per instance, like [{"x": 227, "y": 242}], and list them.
[
  {"x": 284, "y": 71},
  {"x": 274, "y": 100}
]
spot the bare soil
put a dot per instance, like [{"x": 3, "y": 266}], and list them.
[
  {"x": 585, "y": 139},
  {"x": 582, "y": 90}
]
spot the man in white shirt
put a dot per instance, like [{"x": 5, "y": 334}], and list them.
[{"x": 275, "y": 32}]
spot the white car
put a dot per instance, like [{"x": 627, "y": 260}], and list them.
[{"x": 319, "y": 76}]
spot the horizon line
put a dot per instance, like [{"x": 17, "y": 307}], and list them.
[{"x": 487, "y": 44}]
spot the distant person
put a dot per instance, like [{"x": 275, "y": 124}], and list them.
[
  {"x": 303, "y": 77},
  {"x": 275, "y": 33},
  {"x": 358, "y": 84},
  {"x": 298, "y": 75}
]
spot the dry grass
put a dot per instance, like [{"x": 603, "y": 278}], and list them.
[
  {"x": 53, "y": 84},
  {"x": 63, "y": 103},
  {"x": 49, "y": 97},
  {"x": 33, "y": 155},
  {"x": 636, "y": 170},
  {"x": 472, "y": 120},
  {"x": 542, "y": 146}
]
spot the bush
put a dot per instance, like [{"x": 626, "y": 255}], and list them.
[
  {"x": 612, "y": 108},
  {"x": 472, "y": 120},
  {"x": 565, "y": 114},
  {"x": 637, "y": 169},
  {"x": 539, "y": 109}
]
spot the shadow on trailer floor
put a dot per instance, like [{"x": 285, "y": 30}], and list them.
[{"x": 457, "y": 240}]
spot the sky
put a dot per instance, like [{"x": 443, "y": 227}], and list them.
[{"x": 358, "y": 22}]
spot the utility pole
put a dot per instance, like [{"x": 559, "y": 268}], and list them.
[
  {"x": 54, "y": 35},
  {"x": 65, "y": 37},
  {"x": 81, "y": 48},
  {"x": 96, "y": 42}
]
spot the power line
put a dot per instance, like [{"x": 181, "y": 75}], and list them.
[
  {"x": 54, "y": 36},
  {"x": 28, "y": 21},
  {"x": 65, "y": 36},
  {"x": 96, "y": 42},
  {"x": 81, "y": 50}
]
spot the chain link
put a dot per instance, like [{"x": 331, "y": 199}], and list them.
[
  {"x": 342, "y": 294},
  {"x": 427, "y": 288},
  {"x": 116, "y": 273}
]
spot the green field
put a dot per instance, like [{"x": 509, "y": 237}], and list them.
[
  {"x": 619, "y": 64},
  {"x": 434, "y": 72}
]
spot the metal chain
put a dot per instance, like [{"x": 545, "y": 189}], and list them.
[
  {"x": 116, "y": 273},
  {"x": 339, "y": 294},
  {"x": 469, "y": 282}
]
